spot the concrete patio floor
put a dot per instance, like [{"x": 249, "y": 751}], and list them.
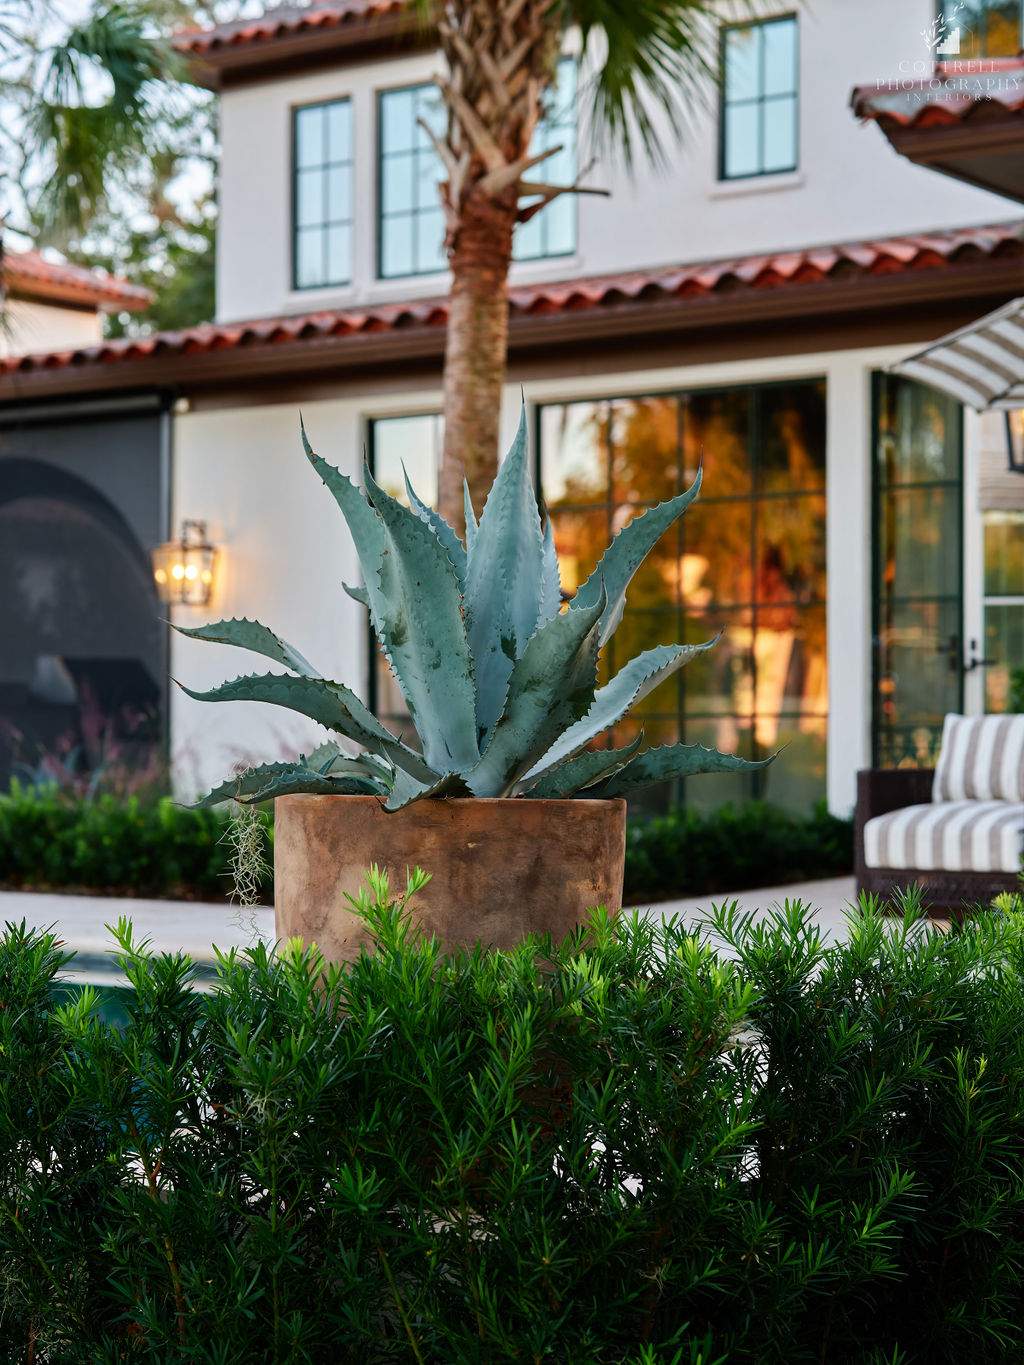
[{"x": 195, "y": 927}]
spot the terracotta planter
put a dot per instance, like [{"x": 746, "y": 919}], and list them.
[{"x": 500, "y": 868}]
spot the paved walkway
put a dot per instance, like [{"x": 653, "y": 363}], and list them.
[{"x": 194, "y": 927}]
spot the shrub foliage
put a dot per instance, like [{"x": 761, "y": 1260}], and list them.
[
  {"x": 645, "y": 1145},
  {"x": 134, "y": 847},
  {"x": 688, "y": 853}
]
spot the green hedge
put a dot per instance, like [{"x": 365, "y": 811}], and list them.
[
  {"x": 123, "y": 847},
  {"x": 48, "y": 841},
  {"x": 685, "y": 853},
  {"x": 634, "y": 1148}
]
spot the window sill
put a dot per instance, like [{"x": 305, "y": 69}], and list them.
[{"x": 757, "y": 184}]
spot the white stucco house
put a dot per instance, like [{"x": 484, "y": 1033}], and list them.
[{"x": 860, "y": 540}]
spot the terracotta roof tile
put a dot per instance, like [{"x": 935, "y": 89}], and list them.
[
  {"x": 958, "y": 91},
  {"x": 702, "y": 281},
  {"x": 30, "y": 273},
  {"x": 284, "y": 21}
]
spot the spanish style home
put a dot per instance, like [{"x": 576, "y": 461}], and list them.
[{"x": 860, "y": 539}]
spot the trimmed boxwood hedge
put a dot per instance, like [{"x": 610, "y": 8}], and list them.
[
  {"x": 635, "y": 1147},
  {"x": 157, "y": 848}
]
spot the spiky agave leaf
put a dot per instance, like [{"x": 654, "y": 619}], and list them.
[
  {"x": 577, "y": 775},
  {"x": 551, "y": 686},
  {"x": 631, "y": 684},
  {"x": 302, "y": 775},
  {"x": 626, "y": 553},
  {"x": 406, "y": 789},
  {"x": 454, "y": 547},
  {"x": 469, "y": 515},
  {"x": 252, "y": 635},
  {"x": 330, "y": 704},
  {"x": 422, "y": 628},
  {"x": 415, "y": 606},
  {"x": 505, "y": 577},
  {"x": 357, "y": 594},
  {"x": 669, "y": 761}
]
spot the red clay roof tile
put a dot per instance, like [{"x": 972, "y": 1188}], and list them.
[
  {"x": 705, "y": 280},
  {"x": 958, "y": 91},
  {"x": 29, "y": 273}
]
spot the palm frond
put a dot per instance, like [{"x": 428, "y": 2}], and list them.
[{"x": 658, "y": 57}]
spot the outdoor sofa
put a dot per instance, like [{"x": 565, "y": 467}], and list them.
[{"x": 956, "y": 830}]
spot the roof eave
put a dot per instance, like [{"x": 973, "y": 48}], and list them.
[
  {"x": 228, "y": 64},
  {"x": 987, "y": 280},
  {"x": 976, "y": 151}
]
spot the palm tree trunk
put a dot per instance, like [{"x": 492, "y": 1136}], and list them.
[{"x": 476, "y": 351}]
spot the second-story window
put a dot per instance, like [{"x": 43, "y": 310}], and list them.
[
  {"x": 410, "y": 222},
  {"x": 758, "y": 134},
  {"x": 410, "y": 238},
  {"x": 981, "y": 28},
  {"x": 552, "y": 231},
  {"x": 322, "y": 195}
]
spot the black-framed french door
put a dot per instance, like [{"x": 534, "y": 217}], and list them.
[{"x": 917, "y": 568}]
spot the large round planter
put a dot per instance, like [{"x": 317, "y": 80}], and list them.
[{"x": 500, "y": 869}]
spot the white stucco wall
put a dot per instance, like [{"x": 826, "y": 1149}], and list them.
[
  {"x": 286, "y": 548},
  {"x": 29, "y": 326},
  {"x": 850, "y": 184}
]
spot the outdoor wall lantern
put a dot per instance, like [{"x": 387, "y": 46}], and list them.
[
  {"x": 1015, "y": 440},
  {"x": 183, "y": 569}
]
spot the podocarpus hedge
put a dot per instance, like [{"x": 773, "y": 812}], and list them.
[
  {"x": 632, "y": 1147},
  {"x": 157, "y": 848}
]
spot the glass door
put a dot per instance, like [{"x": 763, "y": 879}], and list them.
[{"x": 918, "y": 569}]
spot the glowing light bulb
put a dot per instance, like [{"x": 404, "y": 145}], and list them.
[
  {"x": 178, "y": 572},
  {"x": 191, "y": 572}
]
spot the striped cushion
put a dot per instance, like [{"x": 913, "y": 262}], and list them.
[
  {"x": 956, "y": 836},
  {"x": 982, "y": 757}
]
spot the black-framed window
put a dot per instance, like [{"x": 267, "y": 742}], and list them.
[
  {"x": 410, "y": 224},
  {"x": 748, "y": 560},
  {"x": 984, "y": 28},
  {"x": 918, "y": 569},
  {"x": 758, "y": 132},
  {"x": 322, "y": 194},
  {"x": 552, "y": 231}
]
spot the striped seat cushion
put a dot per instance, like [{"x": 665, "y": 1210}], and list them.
[
  {"x": 981, "y": 758},
  {"x": 954, "y": 836}
]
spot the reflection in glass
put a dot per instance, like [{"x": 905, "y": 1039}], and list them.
[
  {"x": 918, "y": 556},
  {"x": 790, "y": 552},
  {"x": 717, "y": 547},
  {"x": 1004, "y": 608},
  {"x": 988, "y": 28},
  {"x": 716, "y": 434},
  {"x": 1004, "y": 553},
  {"x": 1004, "y": 643},
  {"x": 574, "y": 453},
  {"x": 644, "y": 436},
  {"x": 747, "y": 560},
  {"x": 414, "y": 442}
]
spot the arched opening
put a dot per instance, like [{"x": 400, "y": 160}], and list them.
[{"x": 81, "y": 661}]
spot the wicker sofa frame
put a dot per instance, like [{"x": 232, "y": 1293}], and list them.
[{"x": 881, "y": 790}]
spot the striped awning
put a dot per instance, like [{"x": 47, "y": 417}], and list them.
[{"x": 982, "y": 365}]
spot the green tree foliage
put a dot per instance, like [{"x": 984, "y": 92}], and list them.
[
  {"x": 106, "y": 153},
  {"x": 636, "y": 1146}
]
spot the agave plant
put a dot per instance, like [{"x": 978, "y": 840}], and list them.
[{"x": 500, "y": 677}]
